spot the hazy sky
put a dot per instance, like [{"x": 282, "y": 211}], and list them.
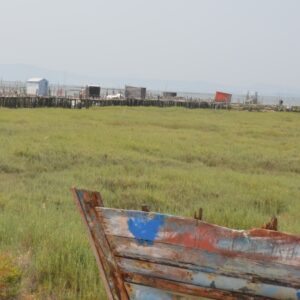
[{"x": 237, "y": 42}]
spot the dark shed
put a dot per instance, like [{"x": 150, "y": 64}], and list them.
[
  {"x": 169, "y": 94},
  {"x": 136, "y": 93},
  {"x": 92, "y": 91}
]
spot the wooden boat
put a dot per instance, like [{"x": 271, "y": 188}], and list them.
[{"x": 148, "y": 256}]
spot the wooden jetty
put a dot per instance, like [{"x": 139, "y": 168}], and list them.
[
  {"x": 67, "y": 102},
  {"x": 146, "y": 255},
  {"x": 64, "y": 102},
  {"x": 35, "y": 102}
]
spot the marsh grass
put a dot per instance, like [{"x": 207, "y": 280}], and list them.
[{"x": 240, "y": 167}]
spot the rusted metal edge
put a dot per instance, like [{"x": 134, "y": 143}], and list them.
[{"x": 109, "y": 273}]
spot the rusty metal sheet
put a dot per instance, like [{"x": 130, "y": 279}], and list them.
[
  {"x": 223, "y": 97},
  {"x": 157, "y": 255}
]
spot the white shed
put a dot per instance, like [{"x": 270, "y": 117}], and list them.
[{"x": 37, "y": 87}]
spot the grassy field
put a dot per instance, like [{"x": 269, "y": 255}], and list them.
[{"x": 241, "y": 167}]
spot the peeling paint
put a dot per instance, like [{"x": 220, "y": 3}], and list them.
[
  {"x": 144, "y": 228},
  {"x": 153, "y": 256}
]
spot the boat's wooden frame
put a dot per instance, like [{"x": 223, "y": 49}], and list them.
[{"x": 146, "y": 255}]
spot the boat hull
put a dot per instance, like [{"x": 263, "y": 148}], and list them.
[{"x": 145, "y": 255}]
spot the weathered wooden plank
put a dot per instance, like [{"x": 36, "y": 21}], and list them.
[
  {"x": 141, "y": 292},
  {"x": 206, "y": 280},
  {"x": 87, "y": 202},
  {"x": 149, "y": 227},
  {"x": 187, "y": 290},
  {"x": 210, "y": 263}
]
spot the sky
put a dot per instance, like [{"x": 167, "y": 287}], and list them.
[{"x": 235, "y": 43}]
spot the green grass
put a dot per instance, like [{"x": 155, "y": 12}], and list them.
[{"x": 241, "y": 167}]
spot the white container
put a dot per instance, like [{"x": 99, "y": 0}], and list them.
[{"x": 37, "y": 87}]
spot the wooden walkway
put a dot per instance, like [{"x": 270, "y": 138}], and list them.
[
  {"x": 34, "y": 102},
  {"x": 63, "y": 102}
]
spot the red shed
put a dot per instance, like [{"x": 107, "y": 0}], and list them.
[{"x": 223, "y": 97}]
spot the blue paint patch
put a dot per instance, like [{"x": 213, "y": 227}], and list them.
[
  {"x": 144, "y": 228},
  {"x": 298, "y": 295}
]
